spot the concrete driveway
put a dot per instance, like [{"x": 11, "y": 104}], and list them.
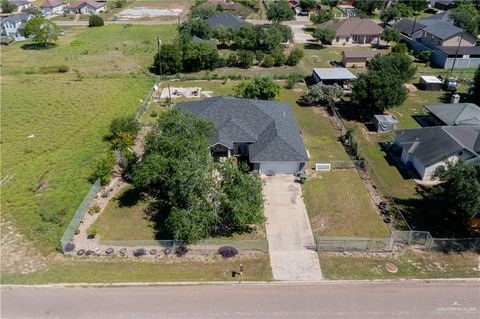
[
  {"x": 299, "y": 35},
  {"x": 288, "y": 231}
]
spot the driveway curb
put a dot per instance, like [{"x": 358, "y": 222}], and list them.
[{"x": 245, "y": 283}]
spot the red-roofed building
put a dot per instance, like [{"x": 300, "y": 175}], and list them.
[{"x": 52, "y": 7}]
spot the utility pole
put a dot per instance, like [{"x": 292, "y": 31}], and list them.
[
  {"x": 159, "y": 43},
  {"x": 456, "y": 53}
]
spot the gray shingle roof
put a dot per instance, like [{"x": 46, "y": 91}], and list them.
[
  {"x": 270, "y": 127},
  {"x": 451, "y": 51},
  {"x": 407, "y": 26},
  {"x": 439, "y": 17},
  {"x": 456, "y": 114},
  {"x": 226, "y": 20},
  {"x": 334, "y": 74},
  {"x": 443, "y": 30},
  {"x": 432, "y": 144}
]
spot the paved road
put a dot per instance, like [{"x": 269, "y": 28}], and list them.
[
  {"x": 289, "y": 231},
  {"x": 364, "y": 300}
]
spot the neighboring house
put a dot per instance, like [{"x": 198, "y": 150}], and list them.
[
  {"x": 458, "y": 57},
  {"x": 426, "y": 149},
  {"x": 329, "y": 76},
  {"x": 354, "y": 31},
  {"x": 439, "y": 17},
  {"x": 264, "y": 132},
  {"x": 14, "y": 25},
  {"x": 50, "y": 7},
  {"x": 226, "y": 20},
  {"x": 445, "y": 34},
  {"x": 87, "y": 7},
  {"x": 357, "y": 59},
  {"x": 21, "y": 4},
  {"x": 409, "y": 28},
  {"x": 454, "y": 114},
  {"x": 345, "y": 11}
]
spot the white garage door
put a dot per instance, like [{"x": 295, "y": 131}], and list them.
[{"x": 279, "y": 168}]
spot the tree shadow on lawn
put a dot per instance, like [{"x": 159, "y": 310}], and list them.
[
  {"x": 393, "y": 159},
  {"x": 130, "y": 197},
  {"x": 38, "y": 46},
  {"x": 313, "y": 46},
  {"x": 428, "y": 212}
]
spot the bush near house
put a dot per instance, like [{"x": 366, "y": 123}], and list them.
[
  {"x": 95, "y": 21},
  {"x": 261, "y": 88}
]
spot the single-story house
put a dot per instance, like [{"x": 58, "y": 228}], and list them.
[
  {"x": 430, "y": 83},
  {"x": 425, "y": 149},
  {"x": 87, "y": 7},
  {"x": 332, "y": 75},
  {"x": 264, "y": 132},
  {"x": 445, "y": 34},
  {"x": 226, "y": 20},
  {"x": 14, "y": 25},
  {"x": 409, "y": 28},
  {"x": 384, "y": 123},
  {"x": 50, "y": 7},
  {"x": 454, "y": 114},
  {"x": 357, "y": 59},
  {"x": 354, "y": 31},
  {"x": 463, "y": 56}
]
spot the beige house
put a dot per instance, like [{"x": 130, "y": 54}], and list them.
[
  {"x": 354, "y": 31},
  {"x": 446, "y": 35}
]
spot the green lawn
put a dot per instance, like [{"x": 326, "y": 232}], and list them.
[
  {"x": 112, "y": 269},
  {"x": 338, "y": 205},
  {"x": 53, "y": 124},
  {"x": 410, "y": 263}
]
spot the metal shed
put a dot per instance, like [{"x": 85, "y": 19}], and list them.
[
  {"x": 430, "y": 83},
  {"x": 384, "y": 123}
]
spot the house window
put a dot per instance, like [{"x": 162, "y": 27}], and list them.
[
  {"x": 348, "y": 39},
  {"x": 338, "y": 39}
]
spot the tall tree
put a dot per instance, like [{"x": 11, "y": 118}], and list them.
[
  {"x": 42, "y": 30},
  {"x": 261, "y": 88},
  {"x": 195, "y": 27},
  {"x": 170, "y": 59},
  {"x": 467, "y": 18},
  {"x": 321, "y": 93},
  {"x": 416, "y": 5},
  {"x": 324, "y": 35},
  {"x": 321, "y": 16},
  {"x": 8, "y": 7},
  {"x": 307, "y": 5},
  {"x": 368, "y": 6},
  {"x": 476, "y": 83},
  {"x": 280, "y": 11},
  {"x": 390, "y": 34},
  {"x": 399, "y": 65},
  {"x": 390, "y": 14},
  {"x": 460, "y": 187}
]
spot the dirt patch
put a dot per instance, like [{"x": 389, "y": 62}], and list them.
[{"x": 18, "y": 255}]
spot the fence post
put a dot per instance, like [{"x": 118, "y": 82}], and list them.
[{"x": 409, "y": 240}]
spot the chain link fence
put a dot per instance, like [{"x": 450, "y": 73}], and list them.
[
  {"x": 354, "y": 244},
  {"x": 79, "y": 215}
]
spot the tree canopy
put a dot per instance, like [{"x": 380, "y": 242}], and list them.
[
  {"x": 467, "y": 18},
  {"x": 382, "y": 86},
  {"x": 321, "y": 16},
  {"x": 476, "y": 83},
  {"x": 307, "y": 5},
  {"x": 416, "y": 5},
  {"x": 8, "y": 7},
  {"x": 390, "y": 34},
  {"x": 322, "y": 94},
  {"x": 194, "y": 27},
  {"x": 368, "y": 6},
  {"x": 460, "y": 187},
  {"x": 280, "y": 11},
  {"x": 390, "y": 14},
  {"x": 195, "y": 197},
  {"x": 42, "y": 30},
  {"x": 324, "y": 35},
  {"x": 261, "y": 88}
]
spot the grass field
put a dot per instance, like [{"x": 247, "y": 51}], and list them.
[
  {"x": 66, "y": 116},
  {"x": 410, "y": 263},
  {"x": 109, "y": 270},
  {"x": 338, "y": 205}
]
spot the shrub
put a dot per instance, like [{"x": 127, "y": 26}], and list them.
[
  {"x": 262, "y": 88},
  {"x": 280, "y": 58},
  {"x": 104, "y": 168},
  {"x": 227, "y": 251},
  {"x": 120, "y": 3},
  {"x": 95, "y": 21},
  {"x": 63, "y": 69},
  {"x": 92, "y": 232},
  {"x": 232, "y": 59},
  {"x": 259, "y": 56},
  {"x": 294, "y": 57},
  {"x": 123, "y": 140},
  {"x": 424, "y": 56},
  {"x": 126, "y": 124},
  {"x": 245, "y": 59},
  {"x": 293, "y": 78},
  {"x": 269, "y": 61},
  {"x": 400, "y": 48},
  {"x": 153, "y": 114}
]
